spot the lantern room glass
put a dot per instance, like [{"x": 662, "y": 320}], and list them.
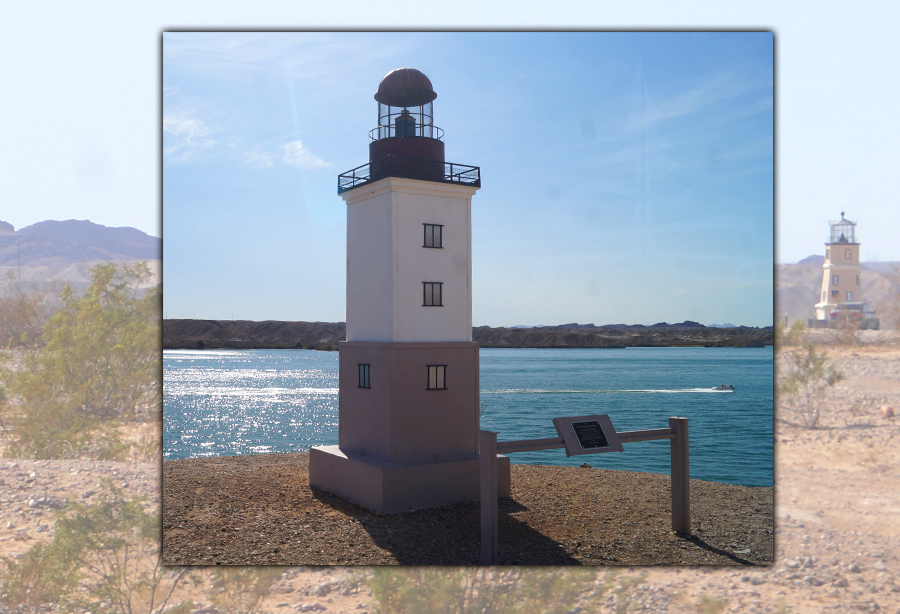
[
  {"x": 406, "y": 121},
  {"x": 843, "y": 232}
]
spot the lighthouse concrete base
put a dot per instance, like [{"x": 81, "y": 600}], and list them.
[{"x": 389, "y": 488}]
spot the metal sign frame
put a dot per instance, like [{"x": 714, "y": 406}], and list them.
[{"x": 573, "y": 431}]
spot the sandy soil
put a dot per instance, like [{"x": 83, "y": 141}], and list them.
[{"x": 837, "y": 519}]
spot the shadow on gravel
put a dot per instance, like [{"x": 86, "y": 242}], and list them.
[
  {"x": 451, "y": 535},
  {"x": 725, "y": 553}
]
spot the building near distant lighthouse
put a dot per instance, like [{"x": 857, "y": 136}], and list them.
[
  {"x": 408, "y": 384},
  {"x": 841, "y": 299}
]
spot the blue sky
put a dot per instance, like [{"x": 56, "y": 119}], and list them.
[
  {"x": 627, "y": 177},
  {"x": 81, "y": 111}
]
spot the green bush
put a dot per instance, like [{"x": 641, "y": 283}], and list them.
[
  {"x": 104, "y": 558},
  {"x": 805, "y": 377},
  {"x": 23, "y": 311},
  {"x": 97, "y": 368}
]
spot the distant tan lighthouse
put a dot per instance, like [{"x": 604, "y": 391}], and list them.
[
  {"x": 408, "y": 384},
  {"x": 841, "y": 297}
]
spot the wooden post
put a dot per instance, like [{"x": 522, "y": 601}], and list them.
[
  {"x": 488, "y": 480},
  {"x": 681, "y": 478}
]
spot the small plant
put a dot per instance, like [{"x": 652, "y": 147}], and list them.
[
  {"x": 795, "y": 335},
  {"x": 496, "y": 591},
  {"x": 104, "y": 558},
  {"x": 710, "y": 605},
  {"x": 805, "y": 382},
  {"x": 241, "y": 590}
]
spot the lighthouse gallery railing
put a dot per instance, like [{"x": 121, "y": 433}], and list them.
[{"x": 409, "y": 168}]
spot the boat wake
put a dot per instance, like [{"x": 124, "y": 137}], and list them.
[{"x": 648, "y": 391}]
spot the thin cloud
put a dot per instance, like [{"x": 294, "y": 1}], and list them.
[
  {"x": 259, "y": 160},
  {"x": 184, "y": 137},
  {"x": 296, "y": 154}
]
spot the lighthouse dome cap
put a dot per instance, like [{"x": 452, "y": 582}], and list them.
[{"x": 405, "y": 87}]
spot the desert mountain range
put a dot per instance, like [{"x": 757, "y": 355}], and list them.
[
  {"x": 57, "y": 252},
  {"x": 64, "y": 251}
]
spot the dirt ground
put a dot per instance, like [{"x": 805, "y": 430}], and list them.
[{"x": 837, "y": 538}]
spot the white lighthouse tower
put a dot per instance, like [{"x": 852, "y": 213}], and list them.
[{"x": 408, "y": 418}]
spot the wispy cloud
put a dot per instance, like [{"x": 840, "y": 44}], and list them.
[
  {"x": 296, "y": 154},
  {"x": 184, "y": 137},
  {"x": 258, "y": 159}
]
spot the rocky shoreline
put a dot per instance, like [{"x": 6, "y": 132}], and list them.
[
  {"x": 260, "y": 510},
  {"x": 271, "y": 334}
]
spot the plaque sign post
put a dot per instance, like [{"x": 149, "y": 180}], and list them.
[
  {"x": 583, "y": 435},
  {"x": 588, "y": 435}
]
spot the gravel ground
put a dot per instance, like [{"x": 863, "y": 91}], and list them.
[{"x": 260, "y": 509}]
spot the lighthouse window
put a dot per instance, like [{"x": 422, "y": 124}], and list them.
[
  {"x": 432, "y": 294},
  {"x": 434, "y": 235},
  {"x": 436, "y": 377},
  {"x": 364, "y": 376},
  {"x": 834, "y": 280}
]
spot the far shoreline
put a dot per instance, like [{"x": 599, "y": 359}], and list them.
[{"x": 189, "y": 334}]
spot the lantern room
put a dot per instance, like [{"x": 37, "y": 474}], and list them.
[
  {"x": 843, "y": 231},
  {"x": 406, "y": 118}
]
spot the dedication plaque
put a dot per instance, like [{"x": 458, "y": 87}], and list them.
[{"x": 588, "y": 434}]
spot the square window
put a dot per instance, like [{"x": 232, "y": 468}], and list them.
[
  {"x": 437, "y": 377},
  {"x": 434, "y": 235},
  {"x": 834, "y": 293},
  {"x": 364, "y": 376},
  {"x": 432, "y": 295}
]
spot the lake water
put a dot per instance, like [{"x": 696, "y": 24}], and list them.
[{"x": 227, "y": 402}]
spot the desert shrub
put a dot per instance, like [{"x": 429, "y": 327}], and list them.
[
  {"x": 24, "y": 309},
  {"x": 98, "y": 366},
  {"x": 794, "y": 336},
  {"x": 805, "y": 377},
  {"x": 241, "y": 590},
  {"x": 104, "y": 558},
  {"x": 435, "y": 590}
]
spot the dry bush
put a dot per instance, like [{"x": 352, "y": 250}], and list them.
[
  {"x": 97, "y": 368},
  {"x": 805, "y": 379}
]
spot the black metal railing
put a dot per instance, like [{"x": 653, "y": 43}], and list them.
[
  {"x": 420, "y": 130},
  {"x": 409, "y": 168}
]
